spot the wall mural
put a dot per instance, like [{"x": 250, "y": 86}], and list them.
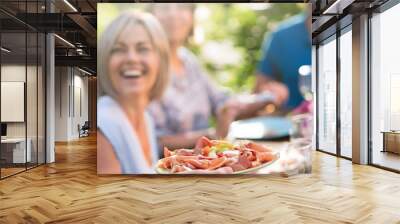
[{"x": 204, "y": 88}]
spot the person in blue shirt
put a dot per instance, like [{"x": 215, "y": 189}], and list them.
[{"x": 284, "y": 51}]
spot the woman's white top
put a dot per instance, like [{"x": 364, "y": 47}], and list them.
[{"x": 115, "y": 126}]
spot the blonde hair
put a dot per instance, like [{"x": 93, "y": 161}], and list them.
[{"x": 110, "y": 36}]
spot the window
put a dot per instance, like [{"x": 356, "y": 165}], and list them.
[
  {"x": 346, "y": 92},
  {"x": 23, "y": 87},
  {"x": 327, "y": 96},
  {"x": 314, "y": 90},
  {"x": 385, "y": 88},
  {"x": 15, "y": 150}
]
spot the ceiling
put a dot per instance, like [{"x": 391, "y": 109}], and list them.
[
  {"x": 76, "y": 24},
  {"x": 76, "y": 20}
]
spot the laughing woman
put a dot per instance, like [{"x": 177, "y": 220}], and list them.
[{"x": 133, "y": 70}]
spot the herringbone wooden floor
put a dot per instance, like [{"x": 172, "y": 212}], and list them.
[{"x": 69, "y": 191}]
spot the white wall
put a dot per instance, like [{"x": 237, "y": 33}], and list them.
[
  {"x": 62, "y": 81},
  {"x": 71, "y": 94},
  {"x": 12, "y": 73},
  {"x": 80, "y": 110}
]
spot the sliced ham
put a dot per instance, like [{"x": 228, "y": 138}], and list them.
[
  {"x": 231, "y": 153},
  {"x": 182, "y": 159},
  {"x": 167, "y": 152},
  {"x": 203, "y": 142},
  {"x": 231, "y": 161},
  {"x": 217, "y": 163},
  {"x": 264, "y": 156},
  {"x": 250, "y": 155},
  {"x": 242, "y": 164},
  {"x": 165, "y": 163},
  {"x": 187, "y": 164},
  {"x": 184, "y": 152},
  {"x": 177, "y": 168},
  {"x": 199, "y": 164},
  {"x": 257, "y": 147}
]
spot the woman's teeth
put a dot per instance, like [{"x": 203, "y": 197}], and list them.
[{"x": 132, "y": 73}]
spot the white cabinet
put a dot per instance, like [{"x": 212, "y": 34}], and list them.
[{"x": 17, "y": 145}]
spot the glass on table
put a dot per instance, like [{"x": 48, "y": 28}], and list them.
[
  {"x": 300, "y": 146},
  {"x": 302, "y": 127},
  {"x": 305, "y": 82}
]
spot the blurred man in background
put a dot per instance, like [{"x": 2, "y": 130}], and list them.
[{"x": 284, "y": 52}]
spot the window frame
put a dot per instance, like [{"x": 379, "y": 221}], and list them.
[
  {"x": 332, "y": 37},
  {"x": 379, "y": 10}
]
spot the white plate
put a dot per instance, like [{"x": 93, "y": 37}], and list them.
[{"x": 251, "y": 170}]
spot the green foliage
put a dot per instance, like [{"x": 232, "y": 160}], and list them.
[{"x": 245, "y": 28}]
